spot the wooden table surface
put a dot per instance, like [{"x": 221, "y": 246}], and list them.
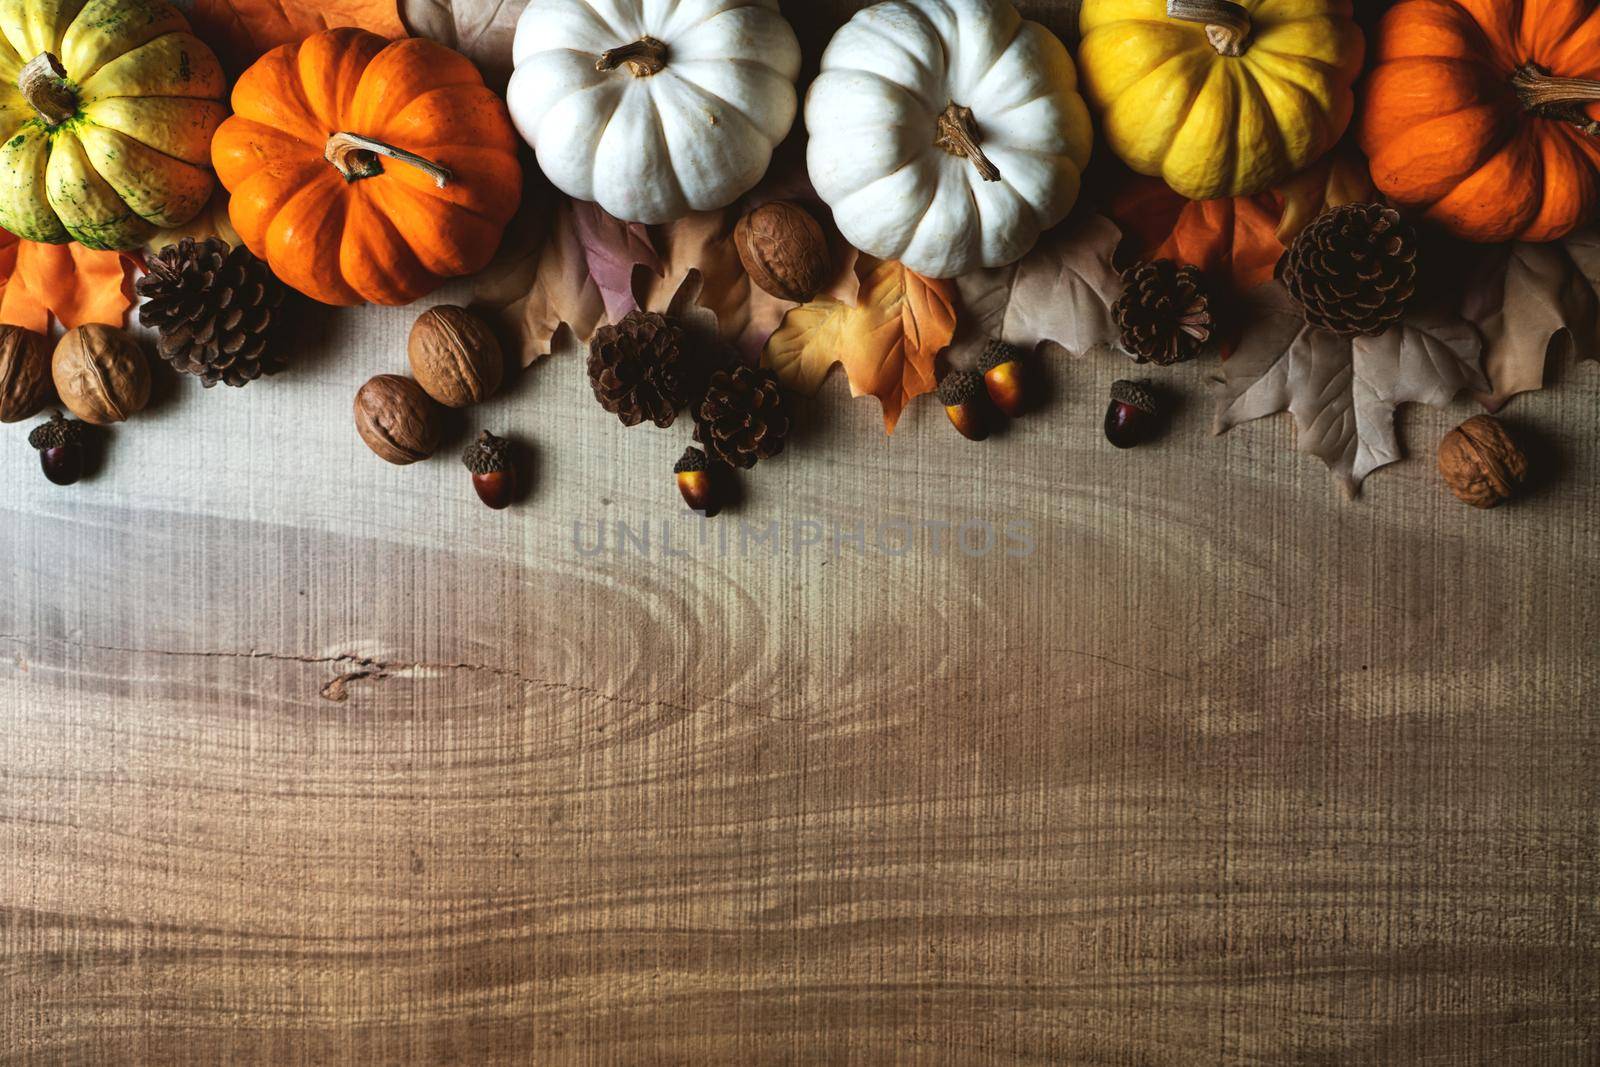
[{"x": 305, "y": 759}]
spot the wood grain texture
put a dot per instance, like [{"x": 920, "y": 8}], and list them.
[{"x": 308, "y": 760}]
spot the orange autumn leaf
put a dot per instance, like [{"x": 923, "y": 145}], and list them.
[
  {"x": 240, "y": 31},
  {"x": 887, "y": 342},
  {"x": 71, "y": 282}
]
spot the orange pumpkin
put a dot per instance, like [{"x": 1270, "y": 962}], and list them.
[
  {"x": 1483, "y": 113},
  {"x": 363, "y": 169}
]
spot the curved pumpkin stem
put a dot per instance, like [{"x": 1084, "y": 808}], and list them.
[
  {"x": 357, "y": 157},
  {"x": 644, "y": 57},
  {"x": 1553, "y": 97},
  {"x": 42, "y": 81},
  {"x": 958, "y": 135},
  {"x": 1227, "y": 24}
]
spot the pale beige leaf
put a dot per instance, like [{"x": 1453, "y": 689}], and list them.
[
  {"x": 1343, "y": 392},
  {"x": 557, "y": 289},
  {"x": 481, "y": 30},
  {"x": 1062, "y": 291},
  {"x": 701, "y": 244}
]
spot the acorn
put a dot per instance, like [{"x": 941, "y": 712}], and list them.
[
  {"x": 697, "y": 482},
  {"x": 1004, "y": 377},
  {"x": 494, "y": 471},
  {"x": 962, "y": 394},
  {"x": 61, "y": 448},
  {"x": 1131, "y": 415}
]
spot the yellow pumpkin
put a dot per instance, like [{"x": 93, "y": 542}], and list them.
[
  {"x": 1219, "y": 98},
  {"x": 107, "y": 108}
]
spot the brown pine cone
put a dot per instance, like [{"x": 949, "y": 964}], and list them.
[
  {"x": 1164, "y": 312},
  {"x": 641, "y": 369},
  {"x": 743, "y": 416},
  {"x": 1353, "y": 270},
  {"x": 216, "y": 311}
]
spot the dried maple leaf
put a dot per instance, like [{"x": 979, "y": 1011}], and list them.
[
  {"x": 1531, "y": 302},
  {"x": 887, "y": 342},
  {"x": 71, "y": 282},
  {"x": 1062, "y": 291},
  {"x": 240, "y": 31},
  {"x": 1237, "y": 240},
  {"x": 577, "y": 274},
  {"x": 1343, "y": 391},
  {"x": 481, "y": 30}
]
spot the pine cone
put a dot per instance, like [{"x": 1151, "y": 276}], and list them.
[
  {"x": 1164, "y": 312},
  {"x": 640, "y": 369},
  {"x": 743, "y": 417},
  {"x": 216, "y": 311},
  {"x": 1353, "y": 269}
]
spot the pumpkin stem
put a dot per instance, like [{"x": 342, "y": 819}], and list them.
[
  {"x": 644, "y": 57},
  {"x": 43, "y": 84},
  {"x": 958, "y": 135},
  {"x": 356, "y": 157},
  {"x": 1552, "y": 97},
  {"x": 1227, "y": 24}
]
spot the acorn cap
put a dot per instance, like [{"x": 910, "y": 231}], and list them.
[
  {"x": 57, "y": 432},
  {"x": 487, "y": 455},
  {"x": 692, "y": 460},
  {"x": 1134, "y": 394},
  {"x": 997, "y": 352},
  {"x": 959, "y": 387}
]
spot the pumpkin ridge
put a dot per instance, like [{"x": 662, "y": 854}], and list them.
[{"x": 1273, "y": 130}]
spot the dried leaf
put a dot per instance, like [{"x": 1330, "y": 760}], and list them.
[
  {"x": 700, "y": 244},
  {"x": 578, "y": 274},
  {"x": 213, "y": 221},
  {"x": 1062, "y": 291},
  {"x": 1236, "y": 241},
  {"x": 887, "y": 342},
  {"x": 1342, "y": 392},
  {"x": 481, "y": 30},
  {"x": 240, "y": 31},
  {"x": 71, "y": 282},
  {"x": 1532, "y": 302}
]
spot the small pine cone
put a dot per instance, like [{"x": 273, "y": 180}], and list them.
[
  {"x": 1164, "y": 312},
  {"x": 743, "y": 417},
  {"x": 216, "y": 311},
  {"x": 1353, "y": 270},
  {"x": 641, "y": 369}
]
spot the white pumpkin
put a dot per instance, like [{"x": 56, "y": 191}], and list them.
[
  {"x": 654, "y": 108},
  {"x": 946, "y": 134}
]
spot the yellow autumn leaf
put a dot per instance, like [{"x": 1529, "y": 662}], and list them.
[{"x": 887, "y": 342}]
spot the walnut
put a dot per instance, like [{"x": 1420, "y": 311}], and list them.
[
  {"x": 784, "y": 250},
  {"x": 1480, "y": 462},
  {"x": 101, "y": 373},
  {"x": 24, "y": 373},
  {"x": 455, "y": 357},
  {"x": 397, "y": 419}
]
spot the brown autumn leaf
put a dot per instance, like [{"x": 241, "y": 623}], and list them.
[
  {"x": 1062, "y": 291},
  {"x": 1533, "y": 302},
  {"x": 887, "y": 342},
  {"x": 1343, "y": 391},
  {"x": 539, "y": 296},
  {"x": 241, "y": 31}
]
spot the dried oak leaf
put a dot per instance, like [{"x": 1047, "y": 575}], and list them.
[
  {"x": 1532, "y": 302},
  {"x": 1343, "y": 391},
  {"x": 240, "y": 31},
  {"x": 887, "y": 342},
  {"x": 481, "y": 31},
  {"x": 71, "y": 282},
  {"x": 572, "y": 279},
  {"x": 1062, "y": 291}
]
